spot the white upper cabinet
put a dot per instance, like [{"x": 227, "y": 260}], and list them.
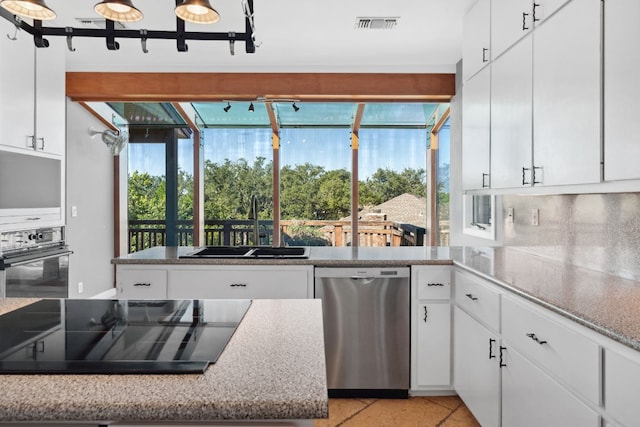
[
  {"x": 32, "y": 93},
  {"x": 511, "y": 114},
  {"x": 476, "y": 121},
  {"x": 621, "y": 89},
  {"x": 567, "y": 96},
  {"x": 543, "y": 9},
  {"x": 476, "y": 39},
  {"x": 510, "y": 21},
  {"x": 50, "y": 105},
  {"x": 17, "y": 89}
]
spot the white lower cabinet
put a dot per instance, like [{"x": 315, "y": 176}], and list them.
[
  {"x": 434, "y": 340},
  {"x": 240, "y": 282},
  {"x": 532, "y": 398},
  {"x": 519, "y": 364},
  {"x": 476, "y": 368},
  {"x": 141, "y": 282},
  {"x": 214, "y": 281},
  {"x": 622, "y": 386},
  {"x": 430, "y": 328}
]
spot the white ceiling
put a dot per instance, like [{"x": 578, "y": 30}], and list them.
[{"x": 293, "y": 36}]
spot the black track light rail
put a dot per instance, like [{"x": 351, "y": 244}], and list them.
[{"x": 110, "y": 33}]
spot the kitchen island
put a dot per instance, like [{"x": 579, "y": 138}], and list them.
[{"x": 272, "y": 369}]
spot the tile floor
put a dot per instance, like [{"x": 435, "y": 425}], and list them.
[{"x": 440, "y": 411}]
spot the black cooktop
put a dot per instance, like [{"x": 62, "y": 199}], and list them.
[{"x": 67, "y": 336}]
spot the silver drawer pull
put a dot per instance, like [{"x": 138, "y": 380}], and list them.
[
  {"x": 471, "y": 297},
  {"x": 435, "y": 284},
  {"x": 238, "y": 285},
  {"x": 142, "y": 284},
  {"x": 536, "y": 339}
]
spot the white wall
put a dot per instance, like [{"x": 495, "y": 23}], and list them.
[{"x": 90, "y": 190}]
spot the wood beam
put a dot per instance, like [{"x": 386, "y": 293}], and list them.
[{"x": 176, "y": 87}]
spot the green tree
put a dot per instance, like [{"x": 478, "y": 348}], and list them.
[
  {"x": 334, "y": 195},
  {"x": 299, "y": 189},
  {"x": 385, "y": 184},
  {"x": 230, "y": 185},
  {"x": 147, "y": 198}
]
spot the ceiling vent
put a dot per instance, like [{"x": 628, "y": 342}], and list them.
[
  {"x": 98, "y": 23},
  {"x": 377, "y": 23}
]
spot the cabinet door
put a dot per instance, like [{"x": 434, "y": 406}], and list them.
[
  {"x": 50, "y": 108},
  {"x": 432, "y": 283},
  {"x": 476, "y": 38},
  {"x": 511, "y": 116},
  {"x": 510, "y": 21},
  {"x": 622, "y": 387},
  {"x": 621, "y": 89},
  {"x": 239, "y": 283},
  {"x": 566, "y": 96},
  {"x": 141, "y": 283},
  {"x": 543, "y": 9},
  {"x": 16, "y": 87},
  {"x": 475, "y": 367},
  {"x": 531, "y": 398},
  {"x": 433, "y": 345},
  {"x": 476, "y": 144}
]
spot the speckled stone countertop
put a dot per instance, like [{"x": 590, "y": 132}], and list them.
[
  {"x": 603, "y": 302},
  {"x": 320, "y": 256},
  {"x": 607, "y": 304},
  {"x": 272, "y": 368}
]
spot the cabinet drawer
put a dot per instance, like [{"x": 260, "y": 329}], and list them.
[
  {"x": 238, "y": 284},
  {"x": 142, "y": 283},
  {"x": 622, "y": 388},
  {"x": 478, "y": 299},
  {"x": 554, "y": 346},
  {"x": 433, "y": 283}
]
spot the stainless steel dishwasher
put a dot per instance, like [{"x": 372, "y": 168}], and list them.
[{"x": 366, "y": 330}]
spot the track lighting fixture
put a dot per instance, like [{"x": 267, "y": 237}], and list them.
[
  {"x": 118, "y": 10},
  {"x": 251, "y": 109},
  {"x": 295, "y": 107},
  {"x": 197, "y": 11},
  {"x": 227, "y": 108},
  {"x": 36, "y": 9}
]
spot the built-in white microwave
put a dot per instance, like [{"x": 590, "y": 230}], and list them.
[{"x": 31, "y": 190}]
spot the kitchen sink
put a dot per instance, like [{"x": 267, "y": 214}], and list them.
[{"x": 249, "y": 252}]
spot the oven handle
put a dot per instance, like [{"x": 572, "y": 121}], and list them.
[{"x": 29, "y": 261}]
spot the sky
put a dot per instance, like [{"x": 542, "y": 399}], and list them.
[{"x": 395, "y": 149}]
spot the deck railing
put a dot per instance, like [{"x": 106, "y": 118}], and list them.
[{"x": 145, "y": 234}]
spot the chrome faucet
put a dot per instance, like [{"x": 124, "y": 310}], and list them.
[{"x": 253, "y": 214}]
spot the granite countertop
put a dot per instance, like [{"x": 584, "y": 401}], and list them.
[
  {"x": 272, "y": 368},
  {"x": 320, "y": 256},
  {"x": 606, "y": 303}
]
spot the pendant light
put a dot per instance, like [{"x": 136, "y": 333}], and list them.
[
  {"x": 197, "y": 11},
  {"x": 118, "y": 10},
  {"x": 36, "y": 9}
]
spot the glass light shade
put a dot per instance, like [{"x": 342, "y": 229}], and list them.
[
  {"x": 118, "y": 10},
  {"x": 197, "y": 11},
  {"x": 36, "y": 9}
]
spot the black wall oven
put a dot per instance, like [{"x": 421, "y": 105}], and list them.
[{"x": 34, "y": 263}]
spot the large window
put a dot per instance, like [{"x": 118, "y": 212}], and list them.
[
  {"x": 392, "y": 184},
  {"x": 238, "y": 165},
  {"x": 315, "y": 182},
  {"x": 323, "y": 151}
]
